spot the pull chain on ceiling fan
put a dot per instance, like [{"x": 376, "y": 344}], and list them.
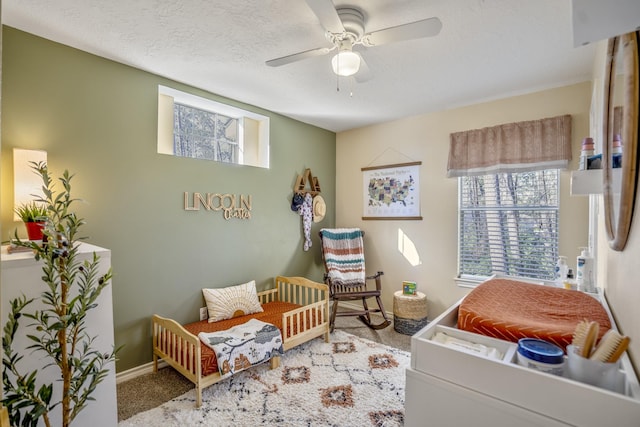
[{"x": 344, "y": 28}]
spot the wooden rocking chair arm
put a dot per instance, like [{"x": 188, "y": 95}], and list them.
[
  {"x": 377, "y": 279},
  {"x": 375, "y": 276}
]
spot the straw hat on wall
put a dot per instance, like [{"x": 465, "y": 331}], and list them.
[{"x": 319, "y": 208}]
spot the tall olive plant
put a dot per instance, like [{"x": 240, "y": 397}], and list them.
[{"x": 58, "y": 330}]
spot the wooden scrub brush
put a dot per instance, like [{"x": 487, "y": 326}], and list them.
[
  {"x": 610, "y": 347},
  {"x": 584, "y": 337}
]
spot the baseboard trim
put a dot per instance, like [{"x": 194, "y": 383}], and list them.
[{"x": 132, "y": 373}]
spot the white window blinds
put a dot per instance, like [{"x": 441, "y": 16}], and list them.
[{"x": 509, "y": 224}]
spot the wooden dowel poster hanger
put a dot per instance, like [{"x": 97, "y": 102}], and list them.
[
  {"x": 392, "y": 156},
  {"x": 397, "y": 165}
]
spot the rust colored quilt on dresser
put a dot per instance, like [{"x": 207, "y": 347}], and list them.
[{"x": 510, "y": 310}]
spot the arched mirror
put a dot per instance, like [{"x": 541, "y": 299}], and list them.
[{"x": 620, "y": 134}]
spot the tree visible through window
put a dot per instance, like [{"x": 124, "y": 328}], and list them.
[
  {"x": 201, "y": 128},
  {"x": 509, "y": 224},
  {"x": 204, "y": 135}
]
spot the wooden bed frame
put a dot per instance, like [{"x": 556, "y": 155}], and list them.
[{"x": 182, "y": 350}]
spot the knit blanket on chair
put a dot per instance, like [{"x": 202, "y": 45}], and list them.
[{"x": 343, "y": 253}]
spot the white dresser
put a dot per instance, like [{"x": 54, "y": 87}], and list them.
[
  {"x": 448, "y": 387},
  {"x": 21, "y": 274}
]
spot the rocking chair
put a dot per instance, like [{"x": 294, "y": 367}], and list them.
[{"x": 343, "y": 255}]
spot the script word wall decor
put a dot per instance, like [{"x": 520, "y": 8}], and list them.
[{"x": 232, "y": 205}]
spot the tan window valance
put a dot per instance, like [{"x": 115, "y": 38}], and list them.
[{"x": 512, "y": 147}]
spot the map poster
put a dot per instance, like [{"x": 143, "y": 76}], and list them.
[{"x": 392, "y": 191}]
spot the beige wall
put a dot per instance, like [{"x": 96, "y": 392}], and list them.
[
  {"x": 623, "y": 287},
  {"x": 617, "y": 271},
  {"x": 425, "y": 138}
]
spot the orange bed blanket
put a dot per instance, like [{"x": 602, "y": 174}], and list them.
[
  {"x": 510, "y": 310},
  {"x": 272, "y": 314}
]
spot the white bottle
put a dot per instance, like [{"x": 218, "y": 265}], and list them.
[
  {"x": 585, "y": 272},
  {"x": 561, "y": 271}
]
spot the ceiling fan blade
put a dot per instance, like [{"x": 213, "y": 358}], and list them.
[
  {"x": 298, "y": 56},
  {"x": 327, "y": 15},
  {"x": 364, "y": 73},
  {"x": 414, "y": 30}
]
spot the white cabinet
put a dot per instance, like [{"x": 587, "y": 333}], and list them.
[
  {"x": 449, "y": 387},
  {"x": 21, "y": 274}
]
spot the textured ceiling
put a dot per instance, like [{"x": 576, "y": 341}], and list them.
[{"x": 487, "y": 49}]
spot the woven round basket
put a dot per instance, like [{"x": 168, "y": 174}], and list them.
[{"x": 409, "y": 312}]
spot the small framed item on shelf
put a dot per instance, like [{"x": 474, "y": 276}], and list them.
[{"x": 408, "y": 288}]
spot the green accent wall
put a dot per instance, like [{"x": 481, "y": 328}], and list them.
[{"x": 98, "y": 119}]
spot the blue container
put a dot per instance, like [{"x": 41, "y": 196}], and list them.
[
  {"x": 616, "y": 160},
  {"x": 541, "y": 355},
  {"x": 594, "y": 162}
]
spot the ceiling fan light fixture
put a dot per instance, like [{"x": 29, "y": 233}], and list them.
[{"x": 345, "y": 63}]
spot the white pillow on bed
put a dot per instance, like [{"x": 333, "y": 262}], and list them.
[{"x": 232, "y": 301}]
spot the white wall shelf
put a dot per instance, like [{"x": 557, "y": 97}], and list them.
[{"x": 586, "y": 182}]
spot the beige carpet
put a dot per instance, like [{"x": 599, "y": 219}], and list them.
[
  {"x": 351, "y": 381},
  {"x": 151, "y": 390}
]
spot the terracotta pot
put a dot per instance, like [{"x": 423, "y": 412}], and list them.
[{"x": 34, "y": 230}]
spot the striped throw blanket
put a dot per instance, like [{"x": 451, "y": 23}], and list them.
[{"x": 343, "y": 253}]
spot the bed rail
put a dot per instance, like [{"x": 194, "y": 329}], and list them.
[
  {"x": 308, "y": 321},
  {"x": 305, "y": 323},
  {"x": 301, "y": 291},
  {"x": 270, "y": 295},
  {"x": 179, "y": 348}
]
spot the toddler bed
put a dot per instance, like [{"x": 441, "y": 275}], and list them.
[
  {"x": 509, "y": 310},
  {"x": 297, "y": 306}
]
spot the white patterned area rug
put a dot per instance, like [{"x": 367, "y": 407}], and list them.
[{"x": 350, "y": 381}]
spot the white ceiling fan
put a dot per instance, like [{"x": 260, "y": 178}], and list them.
[{"x": 344, "y": 28}]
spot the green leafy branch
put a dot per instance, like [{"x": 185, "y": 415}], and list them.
[{"x": 72, "y": 290}]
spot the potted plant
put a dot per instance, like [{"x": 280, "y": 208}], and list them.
[
  {"x": 34, "y": 215},
  {"x": 58, "y": 332}
]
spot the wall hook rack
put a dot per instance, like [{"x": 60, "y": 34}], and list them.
[{"x": 303, "y": 180}]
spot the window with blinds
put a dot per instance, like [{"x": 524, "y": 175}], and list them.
[{"x": 509, "y": 224}]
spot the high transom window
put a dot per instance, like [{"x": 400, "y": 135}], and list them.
[
  {"x": 199, "y": 128},
  {"x": 203, "y": 134}
]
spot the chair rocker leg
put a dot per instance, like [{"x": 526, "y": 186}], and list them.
[
  {"x": 366, "y": 318},
  {"x": 367, "y": 314},
  {"x": 332, "y": 319},
  {"x": 384, "y": 314},
  {"x": 382, "y": 325}
]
